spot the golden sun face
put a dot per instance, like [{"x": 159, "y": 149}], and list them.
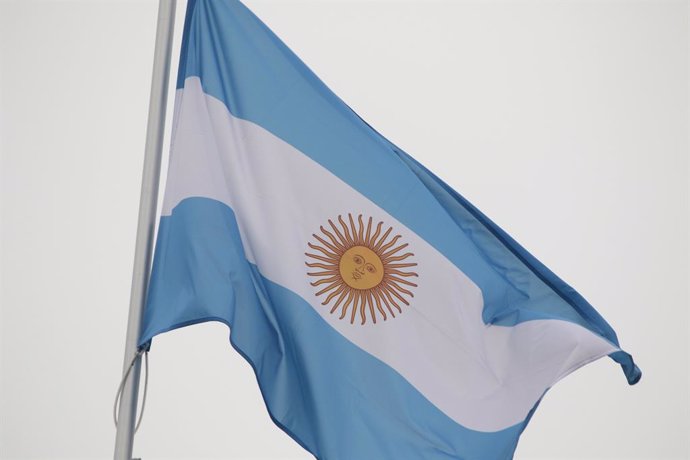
[
  {"x": 361, "y": 268},
  {"x": 361, "y": 272}
]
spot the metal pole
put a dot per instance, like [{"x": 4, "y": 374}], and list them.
[{"x": 147, "y": 219}]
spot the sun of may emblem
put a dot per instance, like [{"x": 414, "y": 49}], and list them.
[{"x": 361, "y": 269}]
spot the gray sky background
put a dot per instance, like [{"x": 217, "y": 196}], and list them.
[{"x": 565, "y": 122}]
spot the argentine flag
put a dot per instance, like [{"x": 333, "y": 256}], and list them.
[{"x": 384, "y": 316}]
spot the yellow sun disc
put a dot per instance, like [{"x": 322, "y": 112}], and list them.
[{"x": 361, "y": 268}]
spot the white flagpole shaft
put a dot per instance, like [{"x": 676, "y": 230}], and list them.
[{"x": 146, "y": 225}]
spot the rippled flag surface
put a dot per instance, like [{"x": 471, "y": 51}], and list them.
[{"x": 384, "y": 315}]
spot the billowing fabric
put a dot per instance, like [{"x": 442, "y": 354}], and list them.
[{"x": 385, "y": 317}]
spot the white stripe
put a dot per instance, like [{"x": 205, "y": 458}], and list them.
[{"x": 484, "y": 377}]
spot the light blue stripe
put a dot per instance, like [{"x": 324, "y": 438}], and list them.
[
  {"x": 242, "y": 63},
  {"x": 336, "y": 400}
]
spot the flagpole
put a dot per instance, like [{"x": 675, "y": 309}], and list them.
[{"x": 145, "y": 228}]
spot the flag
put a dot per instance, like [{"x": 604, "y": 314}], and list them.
[{"x": 385, "y": 317}]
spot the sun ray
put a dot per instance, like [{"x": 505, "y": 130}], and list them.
[
  {"x": 326, "y": 273},
  {"x": 327, "y": 244},
  {"x": 362, "y": 311},
  {"x": 348, "y": 238},
  {"x": 393, "y": 251},
  {"x": 376, "y": 234},
  {"x": 398, "y": 258},
  {"x": 390, "y": 289},
  {"x": 412, "y": 264},
  {"x": 360, "y": 233},
  {"x": 337, "y": 302},
  {"x": 318, "y": 265},
  {"x": 390, "y": 299},
  {"x": 354, "y": 229},
  {"x": 347, "y": 303},
  {"x": 367, "y": 240},
  {"x": 340, "y": 289},
  {"x": 326, "y": 280},
  {"x": 354, "y": 308},
  {"x": 379, "y": 295},
  {"x": 343, "y": 241},
  {"x": 400, "y": 280},
  {"x": 333, "y": 239},
  {"x": 324, "y": 251},
  {"x": 385, "y": 247},
  {"x": 373, "y": 295},
  {"x": 370, "y": 302},
  {"x": 401, "y": 289},
  {"x": 393, "y": 271},
  {"x": 328, "y": 288},
  {"x": 318, "y": 257},
  {"x": 382, "y": 239}
]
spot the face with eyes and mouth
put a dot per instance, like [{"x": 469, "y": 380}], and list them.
[{"x": 361, "y": 268}]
